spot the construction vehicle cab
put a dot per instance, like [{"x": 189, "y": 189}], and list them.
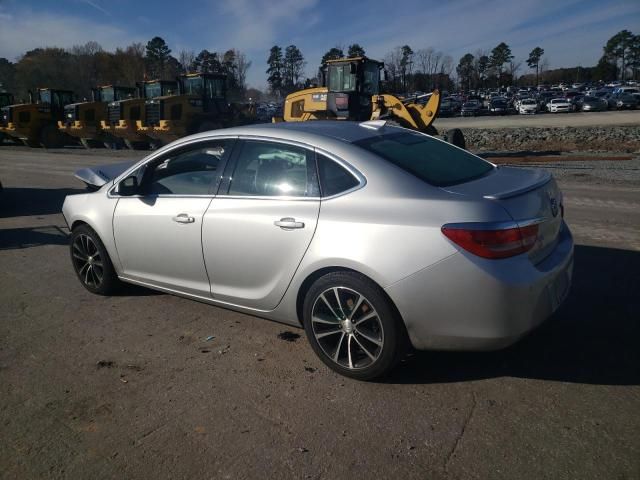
[
  {"x": 6, "y": 99},
  {"x": 124, "y": 116},
  {"x": 84, "y": 120},
  {"x": 351, "y": 84},
  {"x": 352, "y": 91},
  {"x": 35, "y": 123},
  {"x": 201, "y": 105}
]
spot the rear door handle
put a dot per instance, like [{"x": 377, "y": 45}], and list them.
[
  {"x": 183, "y": 218},
  {"x": 288, "y": 223}
]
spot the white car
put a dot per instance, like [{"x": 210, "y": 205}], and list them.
[
  {"x": 528, "y": 106},
  {"x": 559, "y": 105}
]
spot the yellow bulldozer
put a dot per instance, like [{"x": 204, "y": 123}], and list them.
[
  {"x": 35, "y": 123},
  {"x": 84, "y": 120},
  {"x": 200, "y": 105},
  {"x": 6, "y": 99},
  {"x": 124, "y": 117},
  {"x": 351, "y": 91}
]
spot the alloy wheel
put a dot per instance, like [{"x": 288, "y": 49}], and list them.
[
  {"x": 347, "y": 327},
  {"x": 88, "y": 261}
]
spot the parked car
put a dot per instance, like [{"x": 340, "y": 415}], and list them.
[
  {"x": 528, "y": 106},
  {"x": 557, "y": 105},
  {"x": 593, "y": 104},
  {"x": 471, "y": 109},
  {"x": 417, "y": 242},
  {"x": 498, "y": 106},
  {"x": 620, "y": 101}
]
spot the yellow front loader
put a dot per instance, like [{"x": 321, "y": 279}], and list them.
[{"x": 351, "y": 91}]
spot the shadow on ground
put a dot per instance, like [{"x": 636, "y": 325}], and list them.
[
  {"x": 11, "y": 238},
  {"x": 18, "y": 202},
  {"x": 592, "y": 338}
]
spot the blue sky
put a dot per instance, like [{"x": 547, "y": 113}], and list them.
[{"x": 571, "y": 32}]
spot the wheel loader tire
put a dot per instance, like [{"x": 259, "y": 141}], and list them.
[
  {"x": 155, "y": 144},
  {"x": 206, "y": 126},
  {"x": 50, "y": 137},
  {"x": 134, "y": 145},
  {"x": 456, "y": 137},
  {"x": 30, "y": 143}
]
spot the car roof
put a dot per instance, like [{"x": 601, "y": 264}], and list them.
[{"x": 307, "y": 132}]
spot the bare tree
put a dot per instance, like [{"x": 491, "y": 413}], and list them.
[
  {"x": 186, "y": 59},
  {"x": 242, "y": 66},
  {"x": 423, "y": 59}
]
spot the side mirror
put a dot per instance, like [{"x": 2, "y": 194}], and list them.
[
  {"x": 383, "y": 75},
  {"x": 129, "y": 186}
]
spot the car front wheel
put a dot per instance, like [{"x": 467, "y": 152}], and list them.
[
  {"x": 91, "y": 261},
  {"x": 352, "y": 326}
]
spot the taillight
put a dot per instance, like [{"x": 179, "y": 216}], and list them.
[{"x": 500, "y": 243}]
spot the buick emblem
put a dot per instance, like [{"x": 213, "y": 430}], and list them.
[{"x": 554, "y": 205}]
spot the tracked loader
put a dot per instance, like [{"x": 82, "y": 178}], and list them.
[
  {"x": 84, "y": 120},
  {"x": 351, "y": 91},
  {"x": 35, "y": 123}
]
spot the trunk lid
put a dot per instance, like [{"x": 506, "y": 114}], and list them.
[{"x": 528, "y": 196}]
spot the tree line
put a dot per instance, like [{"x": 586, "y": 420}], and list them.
[
  {"x": 83, "y": 67},
  {"x": 426, "y": 68}
]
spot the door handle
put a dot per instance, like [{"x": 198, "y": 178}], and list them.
[
  {"x": 288, "y": 223},
  {"x": 183, "y": 218}
]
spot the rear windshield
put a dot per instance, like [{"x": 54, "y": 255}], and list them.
[{"x": 433, "y": 161}]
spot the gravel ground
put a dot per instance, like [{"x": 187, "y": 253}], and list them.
[{"x": 593, "y": 172}]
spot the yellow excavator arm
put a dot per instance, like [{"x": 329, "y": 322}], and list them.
[
  {"x": 408, "y": 113},
  {"x": 311, "y": 104}
]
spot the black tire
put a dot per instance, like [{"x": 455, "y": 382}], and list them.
[
  {"x": 207, "y": 126},
  {"x": 91, "y": 262},
  {"x": 350, "y": 350},
  {"x": 456, "y": 137},
  {"x": 50, "y": 137}
]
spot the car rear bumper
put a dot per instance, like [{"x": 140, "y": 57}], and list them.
[{"x": 469, "y": 303}]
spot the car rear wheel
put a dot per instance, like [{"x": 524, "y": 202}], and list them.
[
  {"x": 91, "y": 262},
  {"x": 352, "y": 326}
]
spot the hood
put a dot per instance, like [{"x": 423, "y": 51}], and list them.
[{"x": 96, "y": 177}]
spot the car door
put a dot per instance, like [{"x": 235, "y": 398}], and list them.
[
  {"x": 260, "y": 224},
  {"x": 158, "y": 233}
]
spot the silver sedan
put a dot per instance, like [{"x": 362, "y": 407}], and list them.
[{"x": 372, "y": 237}]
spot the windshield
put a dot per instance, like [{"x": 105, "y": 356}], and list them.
[
  {"x": 106, "y": 94},
  {"x": 341, "y": 79},
  {"x": 152, "y": 90},
  {"x": 193, "y": 86},
  {"x": 215, "y": 88},
  {"x": 432, "y": 161},
  {"x": 45, "y": 96},
  {"x": 371, "y": 78}
]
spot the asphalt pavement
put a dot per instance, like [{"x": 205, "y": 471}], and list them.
[{"x": 132, "y": 386}]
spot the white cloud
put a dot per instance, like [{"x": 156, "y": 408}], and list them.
[
  {"x": 25, "y": 30},
  {"x": 257, "y": 24}
]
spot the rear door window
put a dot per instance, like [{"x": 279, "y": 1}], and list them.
[
  {"x": 433, "y": 161},
  {"x": 271, "y": 169},
  {"x": 334, "y": 178}
]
